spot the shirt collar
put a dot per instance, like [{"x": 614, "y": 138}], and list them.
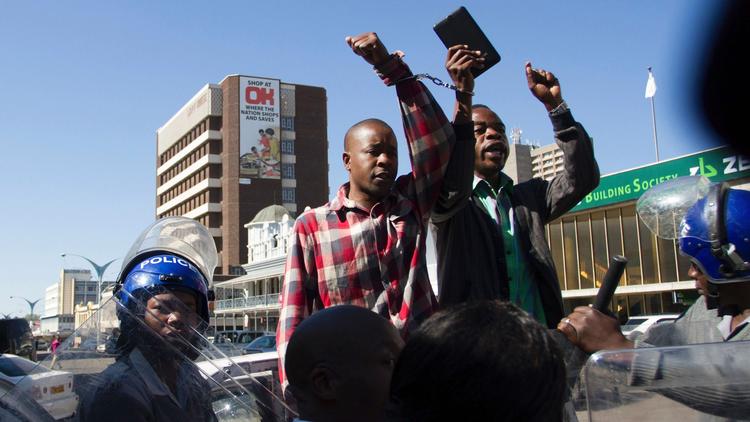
[
  {"x": 725, "y": 326},
  {"x": 506, "y": 183},
  {"x": 341, "y": 200}
]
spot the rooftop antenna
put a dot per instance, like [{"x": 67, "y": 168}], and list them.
[{"x": 515, "y": 135}]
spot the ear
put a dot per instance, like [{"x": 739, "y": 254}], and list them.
[
  {"x": 323, "y": 382},
  {"x": 347, "y": 159}
]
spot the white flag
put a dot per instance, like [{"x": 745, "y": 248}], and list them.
[{"x": 650, "y": 85}]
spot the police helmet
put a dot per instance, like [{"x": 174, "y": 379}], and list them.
[
  {"x": 715, "y": 234},
  {"x": 710, "y": 220},
  {"x": 164, "y": 272}
]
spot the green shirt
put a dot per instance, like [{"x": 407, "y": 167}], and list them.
[{"x": 521, "y": 286}]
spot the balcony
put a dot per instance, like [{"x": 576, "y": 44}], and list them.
[
  {"x": 247, "y": 303},
  {"x": 272, "y": 248}
]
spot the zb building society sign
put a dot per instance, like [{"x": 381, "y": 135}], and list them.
[{"x": 717, "y": 165}]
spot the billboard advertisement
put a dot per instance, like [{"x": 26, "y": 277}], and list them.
[{"x": 260, "y": 129}]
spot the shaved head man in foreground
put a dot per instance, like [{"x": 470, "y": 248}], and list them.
[{"x": 339, "y": 364}]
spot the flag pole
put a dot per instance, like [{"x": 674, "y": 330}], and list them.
[{"x": 653, "y": 119}]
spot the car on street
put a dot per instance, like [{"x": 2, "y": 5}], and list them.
[
  {"x": 19, "y": 407},
  {"x": 261, "y": 344},
  {"x": 247, "y": 336},
  {"x": 232, "y": 342},
  {"x": 52, "y": 389},
  {"x": 256, "y": 374},
  {"x": 641, "y": 323},
  {"x": 219, "y": 369}
]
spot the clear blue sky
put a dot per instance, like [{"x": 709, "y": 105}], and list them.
[{"x": 85, "y": 85}]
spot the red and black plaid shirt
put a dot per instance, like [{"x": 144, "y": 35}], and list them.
[{"x": 342, "y": 253}]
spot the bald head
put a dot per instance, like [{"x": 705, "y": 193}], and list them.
[
  {"x": 339, "y": 363},
  {"x": 356, "y": 130}
]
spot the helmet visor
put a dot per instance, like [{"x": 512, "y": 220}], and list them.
[
  {"x": 182, "y": 236},
  {"x": 663, "y": 207}
]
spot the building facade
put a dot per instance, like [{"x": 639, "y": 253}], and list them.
[
  {"x": 236, "y": 147},
  {"x": 546, "y": 161},
  {"x": 251, "y": 301},
  {"x": 605, "y": 223},
  {"x": 74, "y": 288}
]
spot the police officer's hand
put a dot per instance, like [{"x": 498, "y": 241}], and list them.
[
  {"x": 369, "y": 46},
  {"x": 545, "y": 86},
  {"x": 592, "y": 330}
]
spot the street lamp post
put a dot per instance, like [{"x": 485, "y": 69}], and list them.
[
  {"x": 100, "y": 269},
  {"x": 32, "y": 304}
]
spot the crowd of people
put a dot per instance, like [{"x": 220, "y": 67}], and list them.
[
  {"x": 467, "y": 351},
  {"x": 362, "y": 335},
  {"x": 481, "y": 349}
]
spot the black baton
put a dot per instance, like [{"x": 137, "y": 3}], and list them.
[{"x": 609, "y": 284}]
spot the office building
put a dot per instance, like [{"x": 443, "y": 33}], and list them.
[
  {"x": 518, "y": 164},
  {"x": 605, "y": 224},
  {"x": 237, "y": 147},
  {"x": 546, "y": 161},
  {"x": 251, "y": 301},
  {"x": 74, "y": 288}
]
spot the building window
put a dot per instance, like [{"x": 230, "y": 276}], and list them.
[
  {"x": 598, "y": 235},
  {"x": 630, "y": 239},
  {"x": 288, "y": 195},
  {"x": 287, "y": 123},
  {"x": 287, "y": 147},
  {"x": 653, "y": 303},
  {"x": 649, "y": 259},
  {"x": 556, "y": 246},
  {"x": 586, "y": 270},
  {"x": 571, "y": 260},
  {"x": 287, "y": 171}
]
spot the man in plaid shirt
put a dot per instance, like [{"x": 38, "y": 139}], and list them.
[{"x": 367, "y": 246}]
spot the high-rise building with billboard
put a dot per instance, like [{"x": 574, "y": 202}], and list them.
[{"x": 237, "y": 147}]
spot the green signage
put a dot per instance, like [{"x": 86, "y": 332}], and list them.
[{"x": 716, "y": 164}]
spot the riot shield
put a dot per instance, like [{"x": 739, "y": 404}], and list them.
[
  {"x": 686, "y": 383},
  {"x": 157, "y": 369}
]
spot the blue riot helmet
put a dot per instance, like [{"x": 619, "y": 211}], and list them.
[
  {"x": 715, "y": 234},
  {"x": 710, "y": 220},
  {"x": 165, "y": 272},
  {"x": 174, "y": 253}
]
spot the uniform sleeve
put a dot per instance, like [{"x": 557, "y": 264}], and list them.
[
  {"x": 298, "y": 273},
  {"x": 700, "y": 377},
  {"x": 429, "y": 134}
]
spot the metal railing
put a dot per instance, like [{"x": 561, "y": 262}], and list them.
[
  {"x": 271, "y": 248},
  {"x": 247, "y": 303}
]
